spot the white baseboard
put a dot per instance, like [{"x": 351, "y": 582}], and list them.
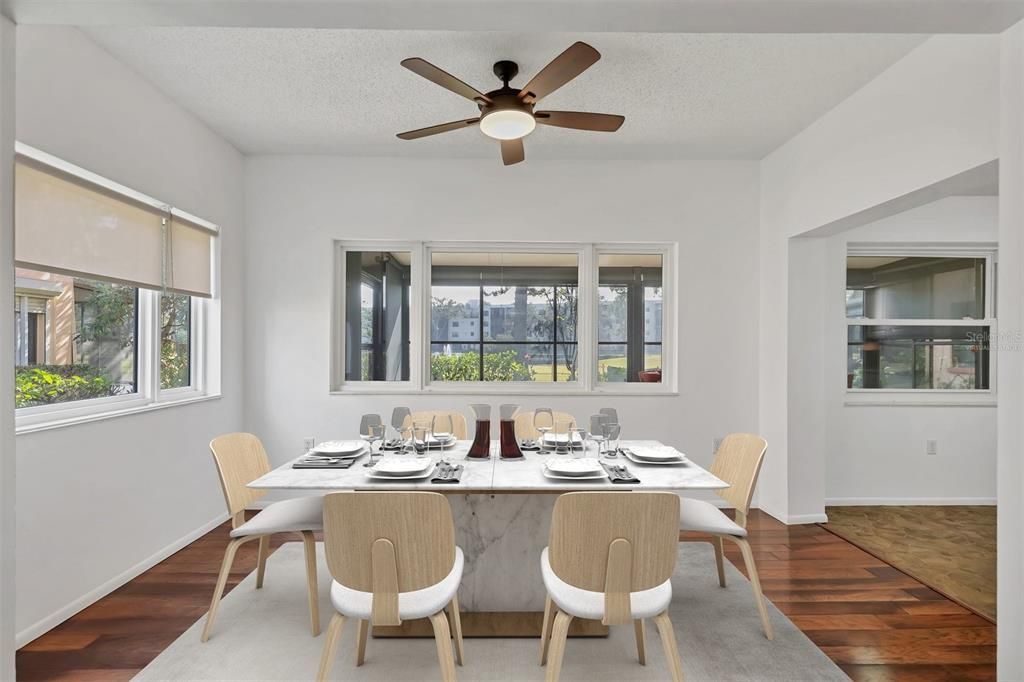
[
  {"x": 795, "y": 519},
  {"x": 54, "y": 619},
  {"x": 910, "y": 501}
]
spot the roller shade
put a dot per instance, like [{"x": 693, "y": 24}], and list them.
[{"x": 66, "y": 224}]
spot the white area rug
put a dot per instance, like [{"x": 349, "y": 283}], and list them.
[{"x": 264, "y": 635}]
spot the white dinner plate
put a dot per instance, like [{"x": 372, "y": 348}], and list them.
[
  {"x": 418, "y": 476},
  {"x": 584, "y": 466},
  {"x": 639, "y": 459},
  {"x": 339, "y": 448},
  {"x": 551, "y": 441},
  {"x": 402, "y": 466},
  {"x": 596, "y": 476},
  {"x": 658, "y": 454}
]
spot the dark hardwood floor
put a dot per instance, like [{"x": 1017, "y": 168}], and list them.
[{"x": 874, "y": 621}]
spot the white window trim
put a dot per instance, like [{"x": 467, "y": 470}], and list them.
[
  {"x": 586, "y": 332},
  {"x": 148, "y": 396},
  {"x": 924, "y": 397}
]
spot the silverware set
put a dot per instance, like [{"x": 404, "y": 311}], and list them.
[
  {"x": 618, "y": 472},
  {"x": 446, "y": 472}
]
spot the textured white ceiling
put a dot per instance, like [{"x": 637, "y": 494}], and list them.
[{"x": 326, "y": 91}]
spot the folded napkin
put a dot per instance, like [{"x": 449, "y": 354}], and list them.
[
  {"x": 619, "y": 474},
  {"x": 446, "y": 473},
  {"x": 323, "y": 463}
]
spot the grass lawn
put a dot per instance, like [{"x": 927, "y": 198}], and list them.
[{"x": 542, "y": 371}]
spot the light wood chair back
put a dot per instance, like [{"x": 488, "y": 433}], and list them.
[
  {"x": 524, "y": 424},
  {"x": 240, "y": 460},
  {"x": 616, "y": 543},
  {"x": 387, "y": 543},
  {"x": 738, "y": 463},
  {"x": 459, "y": 427}
]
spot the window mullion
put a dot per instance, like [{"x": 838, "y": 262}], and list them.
[{"x": 147, "y": 345}]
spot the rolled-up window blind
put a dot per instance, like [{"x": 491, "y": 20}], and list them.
[{"x": 67, "y": 224}]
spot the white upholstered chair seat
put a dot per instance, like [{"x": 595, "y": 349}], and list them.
[
  {"x": 416, "y": 604},
  {"x": 296, "y": 514},
  {"x": 704, "y": 517},
  {"x": 586, "y": 604}
]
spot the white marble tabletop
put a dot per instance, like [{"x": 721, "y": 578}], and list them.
[{"x": 495, "y": 475}]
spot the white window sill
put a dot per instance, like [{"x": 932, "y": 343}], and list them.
[
  {"x": 61, "y": 418},
  {"x": 866, "y": 397},
  {"x": 496, "y": 390}
]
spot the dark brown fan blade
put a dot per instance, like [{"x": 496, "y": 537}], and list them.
[
  {"x": 512, "y": 151},
  {"x": 580, "y": 120},
  {"x": 422, "y": 67},
  {"x": 440, "y": 128},
  {"x": 562, "y": 69}
]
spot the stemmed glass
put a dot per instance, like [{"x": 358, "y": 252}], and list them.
[
  {"x": 543, "y": 421},
  {"x": 374, "y": 434},
  {"x": 597, "y": 435},
  {"x": 611, "y": 434},
  {"x": 441, "y": 428}
]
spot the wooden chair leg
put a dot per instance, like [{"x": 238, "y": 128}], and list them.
[
  {"x": 670, "y": 645},
  {"x": 456, "y": 617},
  {"x": 330, "y": 645},
  {"x": 442, "y": 637},
  {"x": 545, "y": 630},
  {"x": 755, "y": 583},
  {"x": 311, "y": 583},
  {"x": 361, "y": 636},
  {"x": 641, "y": 642},
  {"x": 261, "y": 565},
  {"x": 222, "y": 579},
  {"x": 559, "y": 632},
  {"x": 719, "y": 545}
]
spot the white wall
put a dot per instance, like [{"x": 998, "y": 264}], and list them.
[
  {"x": 864, "y": 440},
  {"x": 296, "y": 206},
  {"x": 930, "y": 116},
  {"x": 1010, "y": 576},
  {"x": 98, "y": 500},
  {"x": 8, "y": 460}
]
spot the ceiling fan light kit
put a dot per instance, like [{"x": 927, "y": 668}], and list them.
[{"x": 507, "y": 114}]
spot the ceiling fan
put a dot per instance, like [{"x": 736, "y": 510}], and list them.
[{"x": 507, "y": 114}]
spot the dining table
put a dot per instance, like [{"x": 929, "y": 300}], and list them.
[{"x": 501, "y": 509}]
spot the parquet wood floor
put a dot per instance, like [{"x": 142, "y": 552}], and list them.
[{"x": 874, "y": 621}]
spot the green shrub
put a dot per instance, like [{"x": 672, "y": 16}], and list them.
[
  {"x": 503, "y": 366},
  {"x": 46, "y": 384}
]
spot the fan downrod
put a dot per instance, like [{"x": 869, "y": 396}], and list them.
[{"x": 506, "y": 70}]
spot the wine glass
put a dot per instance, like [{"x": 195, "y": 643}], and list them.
[
  {"x": 562, "y": 428},
  {"x": 611, "y": 434},
  {"x": 375, "y": 434},
  {"x": 597, "y": 423},
  {"x": 543, "y": 421},
  {"x": 441, "y": 428}
]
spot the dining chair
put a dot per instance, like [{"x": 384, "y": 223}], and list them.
[
  {"x": 737, "y": 462},
  {"x": 610, "y": 557},
  {"x": 459, "y": 425},
  {"x": 393, "y": 557},
  {"x": 525, "y": 430},
  {"x": 241, "y": 459}
]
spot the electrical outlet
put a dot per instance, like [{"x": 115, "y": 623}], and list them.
[
  {"x": 715, "y": 444},
  {"x": 931, "y": 447},
  {"x": 308, "y": 442}
]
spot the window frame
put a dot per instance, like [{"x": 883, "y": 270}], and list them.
[
  {"x": 204, "y": 369},
  {"x": 587, "y": 254},
  {"x": 928, "y": 396}
]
